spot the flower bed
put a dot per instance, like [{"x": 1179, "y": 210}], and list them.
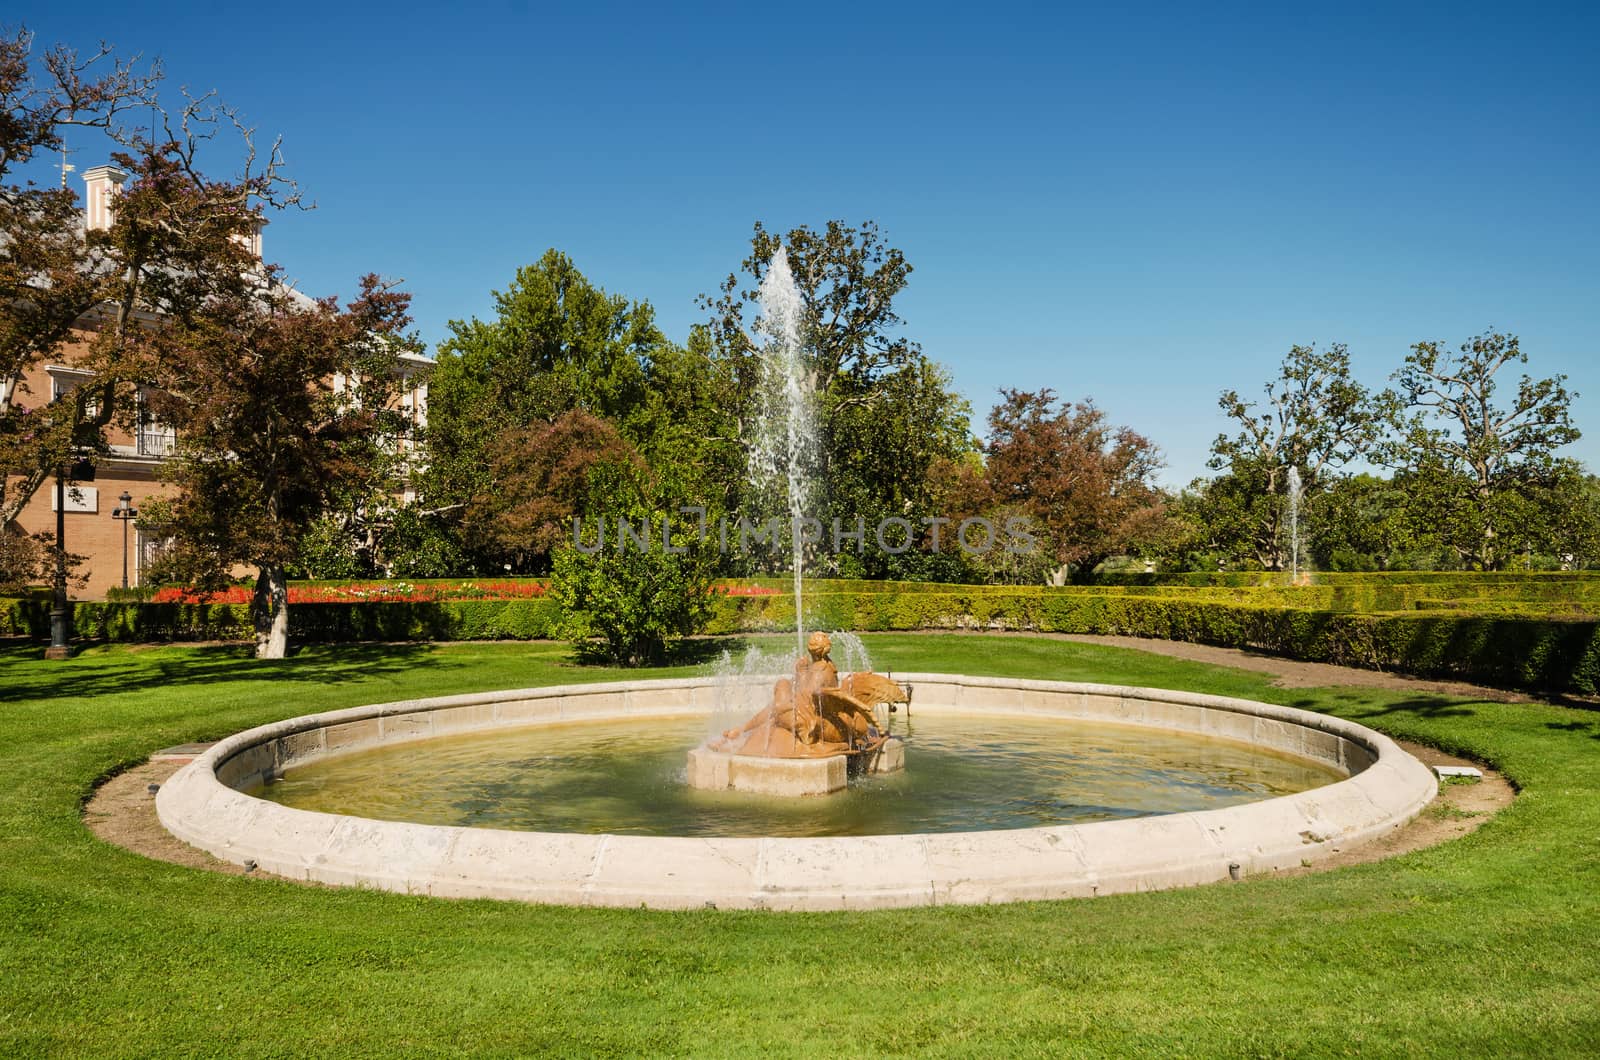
[
  {"x": 399, "y": 592},
  {"x": 402, "y": 592}
]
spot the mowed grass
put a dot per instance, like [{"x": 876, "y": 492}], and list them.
[{"x": 1489, "y": 944}]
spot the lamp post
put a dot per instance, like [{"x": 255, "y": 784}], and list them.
[
  {"x": 81, "y": 470},
  {"x": 125, "y": 512},
  {"x": 60, "y": 617}
]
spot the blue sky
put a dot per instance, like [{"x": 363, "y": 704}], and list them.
[{"x": 1140, "y": 206}]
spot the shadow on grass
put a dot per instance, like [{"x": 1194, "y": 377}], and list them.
[
  {"x": 24, "y": 675},
  {"x": 1590, "y": 729},
  {"x": 1416, "y": 707}
]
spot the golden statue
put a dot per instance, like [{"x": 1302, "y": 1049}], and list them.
[{"x": 814, "y": 714}]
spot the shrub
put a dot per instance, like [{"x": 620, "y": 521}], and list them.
[
  {"x": 327, "y": 550},
  {"x": 419, "y": 544},
  {"x": 638, "y": 600}
]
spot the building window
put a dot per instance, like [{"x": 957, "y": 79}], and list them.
[
  {"x": 155, "y": 438},
  {"x": 147, "y": 551},
  {"x": 63, "y": 381}
]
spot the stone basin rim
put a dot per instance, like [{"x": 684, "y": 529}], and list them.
[{"x": 1386, "y": 789}]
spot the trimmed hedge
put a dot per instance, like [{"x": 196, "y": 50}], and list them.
[
  {"x": 1516, "y": 651},
  {"x": 537, "y": 619},
  {"x": 1530, "y": 651},
  {"x": 1562, "y": 592},
  {"x": 1516, "y": 583}
]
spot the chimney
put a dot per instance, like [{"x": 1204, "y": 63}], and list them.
[
  {"x": 251, "y": 240},
  {"x": 104, "y": 182}
]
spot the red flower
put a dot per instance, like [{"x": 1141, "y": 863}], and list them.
[{"x": 365, "y": 592}]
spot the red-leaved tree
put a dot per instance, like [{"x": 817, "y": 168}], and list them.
[
  {"x": 266, "y": 442},
  {"x": 1086, "y": 483}
]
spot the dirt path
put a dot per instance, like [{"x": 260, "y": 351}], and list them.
[
  {"x": 123, "y": 811},
  {"x": 1461, "y": 807},
  {"x": 1291, "y": 673}
]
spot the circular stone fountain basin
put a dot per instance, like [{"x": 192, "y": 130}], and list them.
[{"x": 204, "y": 805}]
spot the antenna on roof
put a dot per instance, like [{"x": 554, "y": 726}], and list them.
[{"x": 66, "y": 167}]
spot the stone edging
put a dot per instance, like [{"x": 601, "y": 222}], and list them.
[{"x": 202, "y": 806}]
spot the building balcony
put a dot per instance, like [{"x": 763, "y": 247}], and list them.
[{"x": 156, "y": 442}]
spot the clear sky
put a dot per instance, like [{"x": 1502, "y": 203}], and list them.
[{"x": 1143, "y": 206}]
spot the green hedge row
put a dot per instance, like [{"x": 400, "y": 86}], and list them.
[
  {"x": 1517, "y": 651},
  {"x": 1513, "y": 583},
  {"x": 1567, "y": 594},
  {"x": 1514, "y": 651},
  {"x": 1487, "y": 593},
  {"x": 538, "y": 619},
  {"x": 1404, "y": 577}
]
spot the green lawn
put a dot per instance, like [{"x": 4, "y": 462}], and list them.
[{"x": 1487, "y": 944}]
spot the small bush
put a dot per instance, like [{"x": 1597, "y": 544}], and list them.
[{"x": 639, "y": 601}]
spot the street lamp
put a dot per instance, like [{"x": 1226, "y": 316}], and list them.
[
  {"x": 81, "y": 470},
  {"x": 125, "y": 512}
]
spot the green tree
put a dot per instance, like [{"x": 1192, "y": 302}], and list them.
[
  {"x": 881, "y": 460},
  {"x": 848, "y": 278},
  {"x": 1208, "y": 527},
  {"x": 638, "y": 599},
  {"x": 688, "y": 427},
  {"x": 1364, "y": 522},
  {"x": 1571, "y": 517},
  {"x": 556, "y": 343},
  {"x": 1315, "y": 418},
  {"x": 1544, "y": 516},
  {"x": 886, "y": 412},
  {"x": 327, "y": 550},
  {"x": 1476, "y": 450},
  {"x": 416, "y": 542}
]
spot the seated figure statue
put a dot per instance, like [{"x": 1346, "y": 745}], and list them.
[{"x": 812, "y": 715}]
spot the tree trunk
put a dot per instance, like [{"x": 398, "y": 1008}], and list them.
[
  {"x": 270, "y": 612},
  {"x": 1486, "y": 544},
  {"x": 1487, "y": 556}
]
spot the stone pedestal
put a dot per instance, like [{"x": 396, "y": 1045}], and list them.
[{"x": 718, "y": 770}]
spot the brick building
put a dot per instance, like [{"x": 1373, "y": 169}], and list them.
[{"x": 133, "y": 465}]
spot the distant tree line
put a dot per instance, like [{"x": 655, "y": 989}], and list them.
[
  {"x": 567, "y": 385},
  {"x": 1455, "y": 466}
]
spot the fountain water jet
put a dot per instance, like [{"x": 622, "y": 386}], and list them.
[
  {"x": 1295, "y": 492},
  {"x": 784, "y": 441},
  {"x": 817, "y": 728}
]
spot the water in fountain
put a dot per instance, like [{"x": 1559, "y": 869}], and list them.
[
  {"x": 1295, "y": 490},
  {"x": 849, "y": 654},
  {"x": 743, "y": 684},
  {"x": 784, "y": 439},
  {"x": 974, "y": 771}
]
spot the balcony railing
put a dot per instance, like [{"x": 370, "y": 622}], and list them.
[{"x": 158, "y": 442}]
